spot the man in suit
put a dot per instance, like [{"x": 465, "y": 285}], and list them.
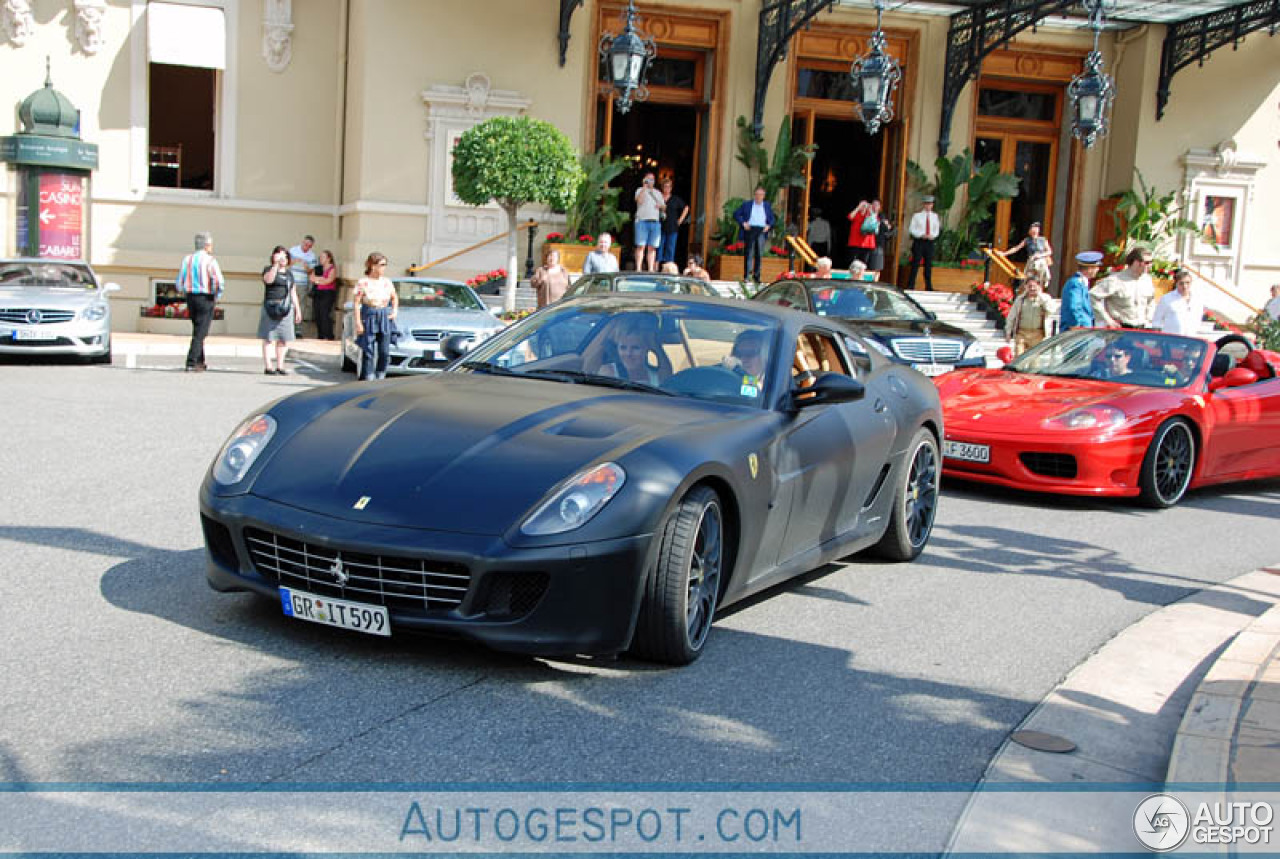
[
  {"x": 755, "y": 218},
  {"x": 924, "y": 228}
]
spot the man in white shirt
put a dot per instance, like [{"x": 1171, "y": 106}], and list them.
[
  {"x": 600, "y": 260},
  {"x": 1179, "y": 312},
  {"x": 924, "y": 228},
  {"x": 649, "y": 208},
  {"x": 755, "y": 218},
  {"x": 302, "y": 262},
  {"x": 1273, "y": 306},
  {"x": 1123, "y": 299}
]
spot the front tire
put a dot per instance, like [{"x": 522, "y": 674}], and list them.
[
  {"x": 682, "y": 589},
  {"x": 915, "y": 502},
  {"x": 1167, "y": 467}
]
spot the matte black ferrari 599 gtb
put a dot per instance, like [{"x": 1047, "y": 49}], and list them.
[{"x": 598, "y": 478}]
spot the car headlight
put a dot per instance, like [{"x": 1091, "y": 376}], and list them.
[
  {"x": 577, "y": 501},
  {"x": 880, "y": 347},
  {"x": 975, "y": 350},
  {"x": 1087, "y": 417},
  {"x": 94, "y": 312},
  {"x": 243, "y": 448}
]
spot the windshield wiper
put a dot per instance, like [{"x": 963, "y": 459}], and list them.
[
  {"x": 486, "y": 367},
  {"x": 577, "y": 376}
]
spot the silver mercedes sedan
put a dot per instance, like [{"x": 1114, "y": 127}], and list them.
[
  {"x": 54, "y": 307},
  {"x": 431, "y": 311}
]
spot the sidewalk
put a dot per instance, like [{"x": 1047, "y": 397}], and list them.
[
  {"x": 130, "y": 345},
  {"x": 1187, "y": 698}
]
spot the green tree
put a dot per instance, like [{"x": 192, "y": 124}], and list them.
[
  {"x": 514, "y": 161},
  {"x": 1143, "y": 216}
]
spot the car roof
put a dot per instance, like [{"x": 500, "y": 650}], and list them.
[
  {"x": 835, "y": 282},
  {"x": 784, "y": 315},
  {"x": 78, "y": 263}
]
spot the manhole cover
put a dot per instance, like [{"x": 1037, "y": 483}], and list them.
[{"x": 1043, "y": 742}]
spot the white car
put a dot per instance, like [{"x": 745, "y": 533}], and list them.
[
  {"x": 54, "y": 307},
  {"x": 431, "y": 311}
]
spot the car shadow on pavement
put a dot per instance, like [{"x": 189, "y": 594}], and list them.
[{"x": 1005, "y": 551}]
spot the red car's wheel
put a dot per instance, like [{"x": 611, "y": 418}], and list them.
[{"x": 1167, "y": 468}]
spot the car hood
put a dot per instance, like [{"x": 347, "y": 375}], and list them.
[
  {"x": 34, "y": 296},
  {"x": 998, "y": 400},
  {"x": 890, "y": 328},
  {"x": 409, "y": 318},
  {"x": 464, "y": 453}
]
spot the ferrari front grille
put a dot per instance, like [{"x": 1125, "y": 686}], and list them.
[
  {"x": 415, "y": 586},
  {"x": 928, "y": 350},
  {"x": 1060, "y": 465},
  {"x": 28, "y": 316}
]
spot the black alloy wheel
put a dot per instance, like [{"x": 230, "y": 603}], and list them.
[
  {"x": 915, "y": 502},
  {"x": 1168, "y": 465},
  {"x": 683, "y": 588}
]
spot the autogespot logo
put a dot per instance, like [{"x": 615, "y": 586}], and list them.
[{"x": 1161, "y": 822}]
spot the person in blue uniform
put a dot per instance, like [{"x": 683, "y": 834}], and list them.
[{"x": 1077, "y": 309}]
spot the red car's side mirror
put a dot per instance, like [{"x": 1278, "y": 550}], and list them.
[
  {"x": 1234, "y": 378},
  {"x": 1005, "y": 354}
]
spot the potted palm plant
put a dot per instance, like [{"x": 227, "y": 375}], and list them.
[
  {"x": 1145, "y": 217},
  {"x": 592, "y": 211}
]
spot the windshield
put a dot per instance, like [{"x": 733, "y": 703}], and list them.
[
  {"x": 865, "y": 302},
  {"x": 663, "y": 345},
  {"x": 640, "y": 283},
  {"x": 46, "y": 274},
  {"x": 449, "y": 296},
  {"x": 1127, "y": 357}
]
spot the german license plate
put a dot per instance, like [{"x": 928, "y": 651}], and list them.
[
  {"x": 966, "y": 451},
  {"x": 934, "y": 369},
  {"x": 33, "y": 334},
  {"x": 331, "y": 612}
]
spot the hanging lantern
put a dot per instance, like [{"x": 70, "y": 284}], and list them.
[
  {"x": 876, "y": 77},
  {"x": 1092, "y": 91},
  {"x": 627, "y": 57}
]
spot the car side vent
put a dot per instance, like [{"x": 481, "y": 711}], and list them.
[
  {"x": 875, "y": 489},
  {"x": 511, "y": 594},
  {"x": 218, "y": 538},
  {"x": 1060, "y": 465}
]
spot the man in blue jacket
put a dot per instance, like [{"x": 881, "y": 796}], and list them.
[
  {"x": 755, "y": 218},
  {"x": 1077, "y": 309}
]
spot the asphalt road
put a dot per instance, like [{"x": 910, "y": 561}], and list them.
[{"x": 119, "y": 664}]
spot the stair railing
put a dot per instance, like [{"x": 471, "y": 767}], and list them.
[
  {"x": 1002, "y": 263},
  {"x": 416, "y": 269},
  {"x": 803, "y": 250},
  {"x": 1253, "y": 311}
]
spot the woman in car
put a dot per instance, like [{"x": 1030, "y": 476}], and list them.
[{"x": 634, "y": 341}]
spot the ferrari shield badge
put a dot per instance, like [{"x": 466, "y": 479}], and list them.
[
  {"x": 754, "y": 462},
  {"x": 362, "y": 503}
]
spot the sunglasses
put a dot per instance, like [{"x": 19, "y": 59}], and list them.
[
  {"x": 623, "y": 347},
  {"x": 747, "y": 353},
  {"x": 1115, "y": 356}
]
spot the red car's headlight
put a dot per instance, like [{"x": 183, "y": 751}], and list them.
[{"x": 1087, "y": 417}]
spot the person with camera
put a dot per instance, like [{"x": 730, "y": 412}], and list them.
[
  {"x": 280, "y": 311},
  {"x": 649, "y": 208}
]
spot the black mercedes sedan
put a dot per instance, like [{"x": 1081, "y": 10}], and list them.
[
  {"x": 600, "y": 477},
  {"x": 890, "y": 319}
]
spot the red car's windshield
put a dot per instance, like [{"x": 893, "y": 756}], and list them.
[{"x": 1145, "y": 358}]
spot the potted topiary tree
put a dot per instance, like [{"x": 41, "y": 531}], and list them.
[{"x": 514, "y": 161}]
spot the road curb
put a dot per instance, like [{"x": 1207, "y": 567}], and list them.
[
  {"x": 1206, "y": 738},
  {"x": 1124, "y": 707},
  {"x": 133, "y": 346}
]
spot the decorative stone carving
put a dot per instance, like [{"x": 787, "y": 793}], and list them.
[
  {"x": 1219, "y": 185},
  {"x": 16, "y": 22},
  {"x": 88, "y": 26},
  {"x": 277, "y": 34}
]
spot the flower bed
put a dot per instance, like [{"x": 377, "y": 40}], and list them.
[
  {"x": 488, "y": 282},
  {"x": 562, "y": 239},
  {"x": 176, "y": 310},
  {"x": 994, "y": 298}
]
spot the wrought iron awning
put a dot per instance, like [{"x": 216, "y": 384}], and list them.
[
  {"x": 780, "y": 20},
  {"x": 567, "y": 8},
  {"x": 1191, "y": 40}
]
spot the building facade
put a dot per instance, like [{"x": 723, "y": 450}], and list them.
[{"x": 264, "y": 120}]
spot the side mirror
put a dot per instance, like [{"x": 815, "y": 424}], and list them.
[
  {"x": 1235, "y": 378},
  {"x": 828, "y": 388},
  {"x": 1005, "y": 354},
  {"x": 931, "y": 316},
  {"x": 495, "y": 310},
  {"x": 111, "y": 287},
  {"x": 456, "y": 346}
]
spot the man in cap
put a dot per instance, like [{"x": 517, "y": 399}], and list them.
[
  {"x": 924, "y": 228},
  {"x": 1123, "y": 300},
  {"x": 1077, "y": 309}
]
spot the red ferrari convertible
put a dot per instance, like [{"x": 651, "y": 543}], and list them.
[{"x": 1117, "y": 413}]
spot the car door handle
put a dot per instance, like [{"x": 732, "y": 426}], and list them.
[{"x": 879, "y": 406}]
